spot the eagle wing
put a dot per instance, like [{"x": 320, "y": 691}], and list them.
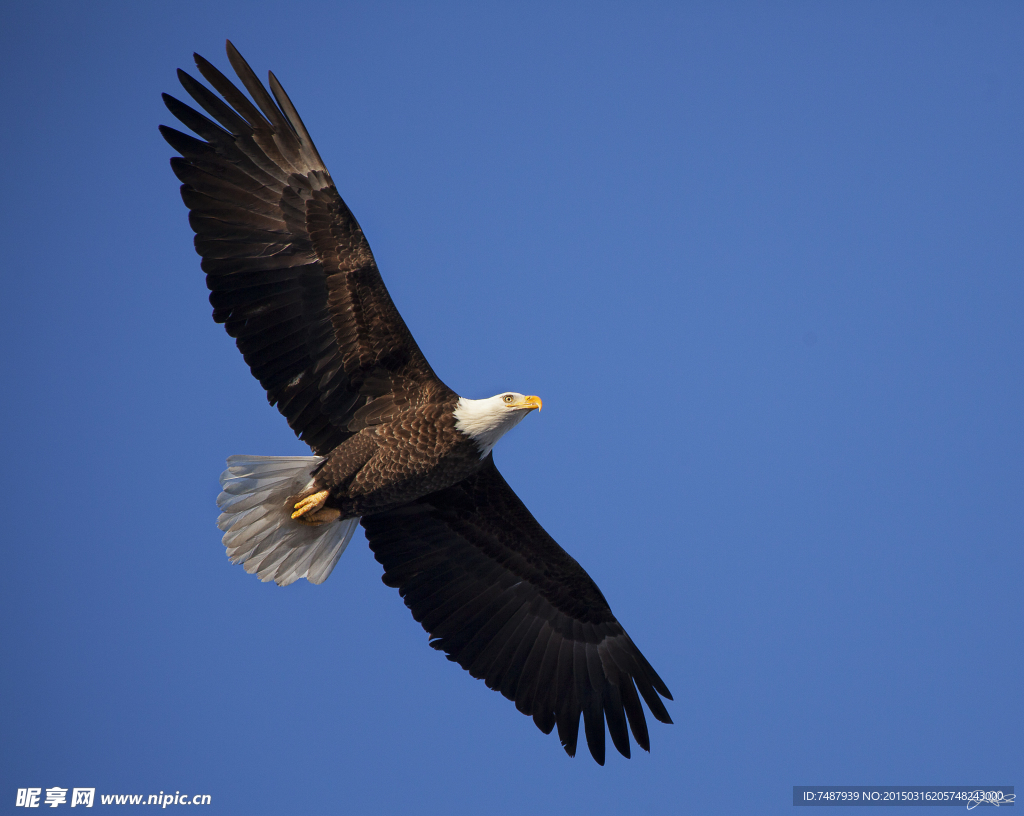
[
  {"x": 503, "y": 600},
  {"x": 291, "y": 275}
]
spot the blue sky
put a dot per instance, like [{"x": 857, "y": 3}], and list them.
[{"x": 763, "y": 262}]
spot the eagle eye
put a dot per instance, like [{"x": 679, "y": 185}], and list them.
[{"x": 508, "y": 399}]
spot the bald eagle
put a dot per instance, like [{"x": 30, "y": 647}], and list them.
[{"x": 294, "y": 282}]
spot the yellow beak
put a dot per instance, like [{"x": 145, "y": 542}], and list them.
[{"x": 532, "y": 402}]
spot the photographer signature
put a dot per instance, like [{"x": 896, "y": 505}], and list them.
[{"x": 996, "y": 798}]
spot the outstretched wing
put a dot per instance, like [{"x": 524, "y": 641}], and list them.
[
  {"x": 503, "y": 600},
  {"x": 290, "y": 272}
]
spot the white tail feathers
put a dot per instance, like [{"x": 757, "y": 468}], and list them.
[{"x": 258, "y": 528}]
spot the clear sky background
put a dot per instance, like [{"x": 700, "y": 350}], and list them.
[{"x": 762, "y": 261}]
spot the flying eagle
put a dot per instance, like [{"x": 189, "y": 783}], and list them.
[{"x": 294, "y": 282}]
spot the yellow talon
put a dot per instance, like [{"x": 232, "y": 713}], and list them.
[
  {"x": 324, "y": 516},
  {"x": 310, "y": 504}
]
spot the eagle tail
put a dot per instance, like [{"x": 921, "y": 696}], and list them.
[{"x": 259, "y": 533}]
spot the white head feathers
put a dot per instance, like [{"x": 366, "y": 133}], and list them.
[{"x": 486, "y": 421}]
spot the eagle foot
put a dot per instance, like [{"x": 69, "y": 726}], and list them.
[
  {"x": 311, "y": 510},
  {"x": 319, "y": 517}
]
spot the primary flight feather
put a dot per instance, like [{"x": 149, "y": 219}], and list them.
[{"x": 293, "y": 280}]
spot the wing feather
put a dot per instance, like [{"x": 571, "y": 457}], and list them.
[
  {"x": 504, "y": 601},
  {"x": 290, "y": 273}
]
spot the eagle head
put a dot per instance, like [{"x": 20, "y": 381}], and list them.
[{"x": 486, "y": 421}]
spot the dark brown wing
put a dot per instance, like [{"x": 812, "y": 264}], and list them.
[
  {"x": 291, "y": 275},
  {"x": 504, "y": 601}
]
